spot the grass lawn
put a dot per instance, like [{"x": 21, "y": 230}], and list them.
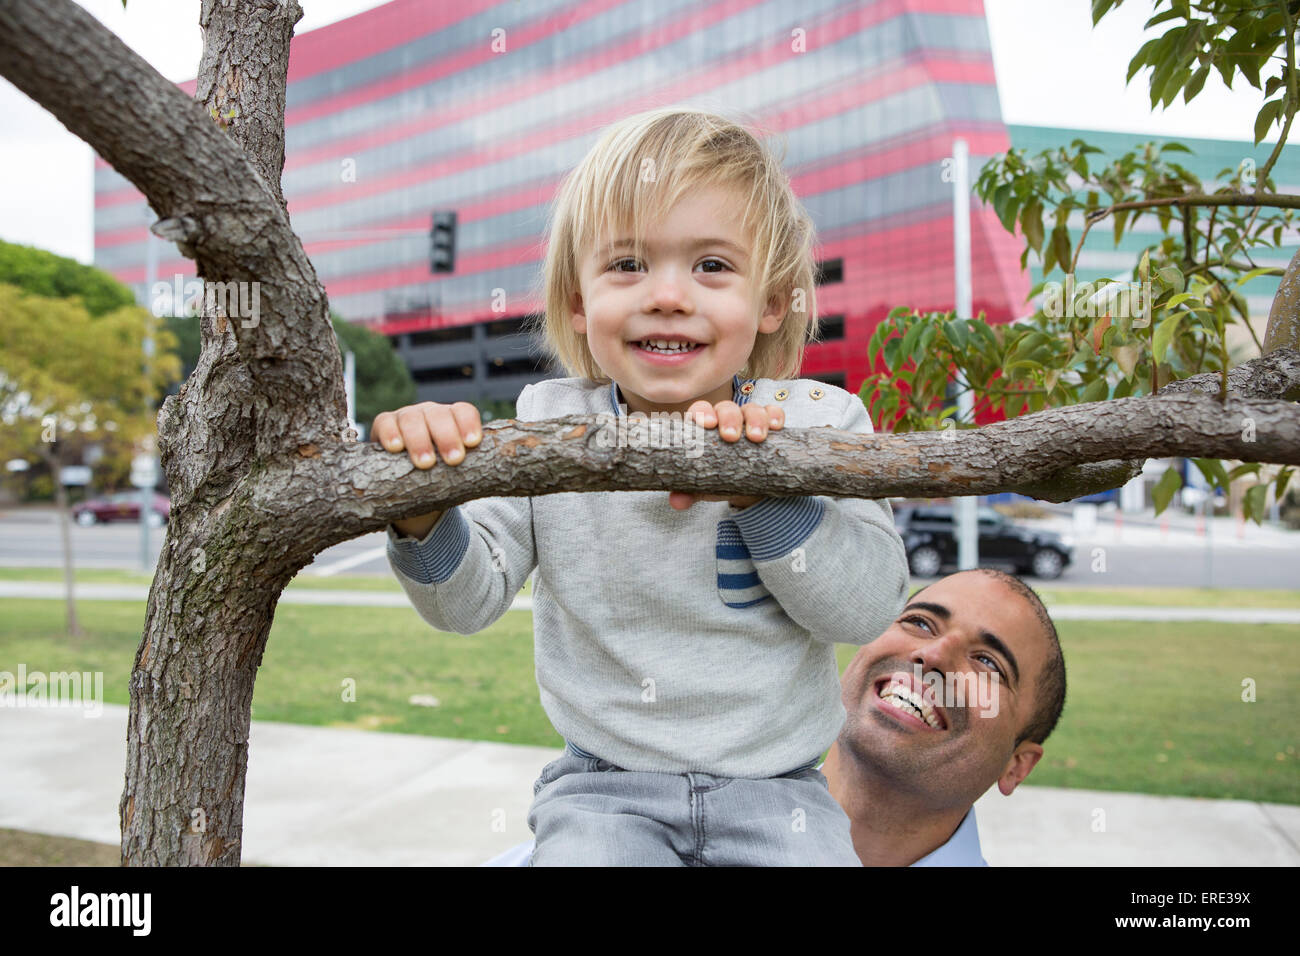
[{"x": 1151, "y": 707}]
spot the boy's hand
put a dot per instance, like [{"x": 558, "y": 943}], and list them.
[
  {"x": 730, "y": 419},
  {"x": 417, "y": 429}
]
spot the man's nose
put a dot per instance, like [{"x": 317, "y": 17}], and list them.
[{"x": 940, "y": 653}]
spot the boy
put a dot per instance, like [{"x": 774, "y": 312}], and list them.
[{"x": 684, "y": 647}]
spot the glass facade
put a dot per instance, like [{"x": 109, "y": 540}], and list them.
[{"x": 482, "y": 107}]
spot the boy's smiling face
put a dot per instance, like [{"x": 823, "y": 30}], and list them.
[{"x": 697, "y": 287}]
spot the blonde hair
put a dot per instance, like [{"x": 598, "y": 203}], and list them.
[{"x": 681, "y": 149}]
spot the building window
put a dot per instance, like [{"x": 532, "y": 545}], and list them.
[
  {"x": 830, "y": 271},
  {"x": 830, "y": 328},
  {"x": 460, "y": 333},
  {"x": 498, "y": 367},
  {"x": 514, "y": 325},
  {"x": 449, "y": 373}
]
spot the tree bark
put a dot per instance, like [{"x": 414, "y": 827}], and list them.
[
  {"x": 1283, "y": 329},
  {"x": 263, "y": 475}
]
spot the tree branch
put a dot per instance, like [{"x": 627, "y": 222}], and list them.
[
  {"x": 1276, "y": 375},
  {"x": 579, "y": 453},
  {"x": 221, "y": 208},
  {"x": 1283, "y": 329},
  {"x": 1270, "y": 200}
]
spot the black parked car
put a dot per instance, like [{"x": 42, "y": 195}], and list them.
[{"x": 929, "y": 536}]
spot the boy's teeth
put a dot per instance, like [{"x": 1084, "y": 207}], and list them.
[{"x": 661, "y": 345}]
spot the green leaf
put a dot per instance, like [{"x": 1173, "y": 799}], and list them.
[
  {"x": 1164, "y": 490},
  {"x": 1213, "y": 471},
  {"x": 1252, "y": 274},
  {"x": 958, "y": 334},
  {"x": 1253, "y": 503},
  {"x": 1031, "y": 224},
  {"x": 1165, "y": 334},
  {"x": 1061, "y": 246},
  {"x": 1195, "y": 84},
  {"x": 1267, "y": 116},
  {"x": 1120, "y": 218},
  {"x": 1172, "y": 278},
  {"x": 1097, "y": 391}
]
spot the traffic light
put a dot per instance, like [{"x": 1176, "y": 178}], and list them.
[{"x": 442, "y": 255}]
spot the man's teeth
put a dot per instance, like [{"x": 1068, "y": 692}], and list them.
[
  {"x": 907, "y": 699},
  {"x": 661, "y": 345}
]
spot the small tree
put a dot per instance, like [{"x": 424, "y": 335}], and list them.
[
  {"x": 1091, "y": 342},
  {"x": 68, "y": 378}
]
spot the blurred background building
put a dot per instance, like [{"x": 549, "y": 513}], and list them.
[{"x": 414, "y": 109}]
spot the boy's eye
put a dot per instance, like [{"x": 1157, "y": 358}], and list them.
[
  {"x": 717, "y": 262},
  {"x": 617, "y": 262}
]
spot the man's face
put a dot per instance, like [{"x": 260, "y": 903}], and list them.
[
  {"x": 697, "y": 288},
  {"x": 966, "y": 631}
]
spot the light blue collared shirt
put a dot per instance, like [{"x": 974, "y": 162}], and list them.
[{"x": 962, "y": 849}]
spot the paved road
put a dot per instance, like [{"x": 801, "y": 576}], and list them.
[
  {"x": 1135, "y": 552},
  {"x": 408, "y": 800}
]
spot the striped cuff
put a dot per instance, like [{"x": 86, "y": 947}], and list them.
[
  {"x": 434, "y": 558},
  {"x": 773, "y": 527}
]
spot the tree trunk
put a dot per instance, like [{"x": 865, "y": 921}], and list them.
[{"x": 65, "y": 534}]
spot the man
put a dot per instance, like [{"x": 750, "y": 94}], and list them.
[{"x": 958, "y": 694}]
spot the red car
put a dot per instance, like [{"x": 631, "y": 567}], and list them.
[{"x": 123, "y": 506}]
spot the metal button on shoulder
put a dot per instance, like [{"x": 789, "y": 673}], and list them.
[
  {"x": 816, "y": 393},
  {"x": 747, "y": 387},
  {"x": 782, "y": 394}
]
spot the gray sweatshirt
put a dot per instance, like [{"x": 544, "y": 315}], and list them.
[{"x": 675, "y": 641}]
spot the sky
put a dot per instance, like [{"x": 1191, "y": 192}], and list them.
[{"x": 1044, "y": 53}]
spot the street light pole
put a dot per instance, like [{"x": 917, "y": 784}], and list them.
[{"x": 964, "y": 514}]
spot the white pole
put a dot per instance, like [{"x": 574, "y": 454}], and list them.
[
  {"x": 350, "y": 386},
  {"x": 965, "y": 517}
]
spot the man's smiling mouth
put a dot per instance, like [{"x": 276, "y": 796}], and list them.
[{"x": 899, "y": 694}]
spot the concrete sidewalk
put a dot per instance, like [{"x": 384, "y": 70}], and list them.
[
  {"x": 49, "y": 590},
  {"x": 321, "y": 796}
]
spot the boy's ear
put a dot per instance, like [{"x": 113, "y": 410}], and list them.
[
  {"x": 772, "y": 317},
  {"x": 579, "y": 317}
]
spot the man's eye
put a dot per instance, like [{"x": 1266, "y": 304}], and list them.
[
  {"x": 917, "y": 620},
  {"x": 993, "y": 662}
]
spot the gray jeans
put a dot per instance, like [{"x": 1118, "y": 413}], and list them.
[{"x": 588, "y": 812}]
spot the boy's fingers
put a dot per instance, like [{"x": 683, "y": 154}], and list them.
[
  {"x": 415, "y": 435},
  {"x": 468, "y": 422},
  {"x": 702, "y": 414},
  {"x": 384, "y": 430},
  {"x": 445, "y": 432},
  {"x": 730, "y": 421},
  {"x": 757, "y": 420},
  {"x": 776, "y": 416}
]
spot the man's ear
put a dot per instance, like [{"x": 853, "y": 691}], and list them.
[{"x": 1017, "y": 769}]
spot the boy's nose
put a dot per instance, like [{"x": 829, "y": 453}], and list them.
[{"x": 668, "y": 293}]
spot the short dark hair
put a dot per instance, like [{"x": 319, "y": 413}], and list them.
[{"x": 1050, "y": 695}]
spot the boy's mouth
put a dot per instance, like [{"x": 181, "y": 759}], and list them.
[{"x": 668, "y": 346}]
